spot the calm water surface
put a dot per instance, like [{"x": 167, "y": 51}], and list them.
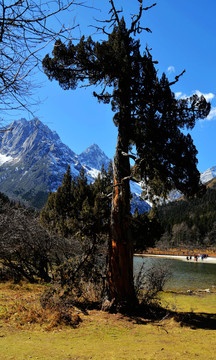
[{"x": 184, "y": 275}]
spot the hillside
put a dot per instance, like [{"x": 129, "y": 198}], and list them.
[{"x": 190, "y": 223}]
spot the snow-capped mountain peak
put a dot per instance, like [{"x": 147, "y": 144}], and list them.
[
  {"x": 208, "y": 175},
  {"x": 94, "y": 157},
  {"x": 33, "y": 160}
]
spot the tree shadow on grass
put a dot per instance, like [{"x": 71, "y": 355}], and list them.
[
  {"x": 193, "y": 320},
  {"x": 196, "y": 320}
]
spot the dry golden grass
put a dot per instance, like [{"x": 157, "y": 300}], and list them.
[
  {"x": 20, "y": 307},
  {"x": 24, "y": 335}
]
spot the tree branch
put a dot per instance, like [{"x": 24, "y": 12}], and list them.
[
  {"x": 115, "y": 13},
  {"x": 177, "y": 78},
  {"x": 135, "y": 25},
  {"x": 25, "y": 30}
]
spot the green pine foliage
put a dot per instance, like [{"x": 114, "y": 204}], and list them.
[
  {"x": 146, "y": 230},
  {"x": 189, "y": 223},
  {"x": 77, "y": 208},
  {"x": 82, "y": 210}
]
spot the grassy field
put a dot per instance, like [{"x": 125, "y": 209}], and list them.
[{"x": 29, "y": 332}]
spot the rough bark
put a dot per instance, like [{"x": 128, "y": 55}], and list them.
[{"x": 120, "y": 259}]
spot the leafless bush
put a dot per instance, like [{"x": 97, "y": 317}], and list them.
[
  {"x": 150, "y": 281},
  {"x": 79, "y": 281},
  {"x": 8, "y": 274},
  {"x": 26, "y": 249}
]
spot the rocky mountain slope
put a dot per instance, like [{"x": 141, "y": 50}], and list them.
[
  {"x": 93, "y": 157},
  {"x": 33, "y": 160},
  {"x": 208, "y": 175}
]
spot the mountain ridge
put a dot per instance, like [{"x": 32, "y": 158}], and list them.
[{"x": 33, "y": 160}]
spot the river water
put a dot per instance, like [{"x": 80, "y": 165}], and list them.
[{"x": 184, "y": 275}]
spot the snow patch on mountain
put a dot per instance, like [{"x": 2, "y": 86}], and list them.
[
  {"x": 208, "y": 175},
  {"x": 92, "y": 174},
  {"x": 138, "y": 203},
  {"x": 205, "y": 177},
  {"x": 136, "y": 188},
  {"x": 94, "y": 157},
  {"x": 5, "y": 158}
]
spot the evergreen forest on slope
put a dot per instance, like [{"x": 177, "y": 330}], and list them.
[{"x": 189, "y": 223}]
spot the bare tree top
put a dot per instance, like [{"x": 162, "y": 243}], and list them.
[{"x": 26, "y": 27}]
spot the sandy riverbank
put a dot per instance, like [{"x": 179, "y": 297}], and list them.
[{"x": 209, "y": 260}]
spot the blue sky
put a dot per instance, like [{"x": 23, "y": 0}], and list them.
[{"x": 183, "y": 37}]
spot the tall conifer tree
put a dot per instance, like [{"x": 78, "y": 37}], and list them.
[{"x": 149, "y": 119}]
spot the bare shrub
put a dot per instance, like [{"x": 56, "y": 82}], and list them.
[
  {"x": 78, "y": 282},
  {"x": 9, "y": 274},
  {"x": 150, "y": 281},
  {"x": 26, "y": 249}
]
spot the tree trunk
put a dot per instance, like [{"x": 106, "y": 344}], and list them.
[{"x": 120, "y": 258}]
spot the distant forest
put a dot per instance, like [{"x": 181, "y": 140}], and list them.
[{"x": 189, "y": 223}]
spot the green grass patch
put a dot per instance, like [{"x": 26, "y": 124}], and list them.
[{"x": 196, "y": 302}]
